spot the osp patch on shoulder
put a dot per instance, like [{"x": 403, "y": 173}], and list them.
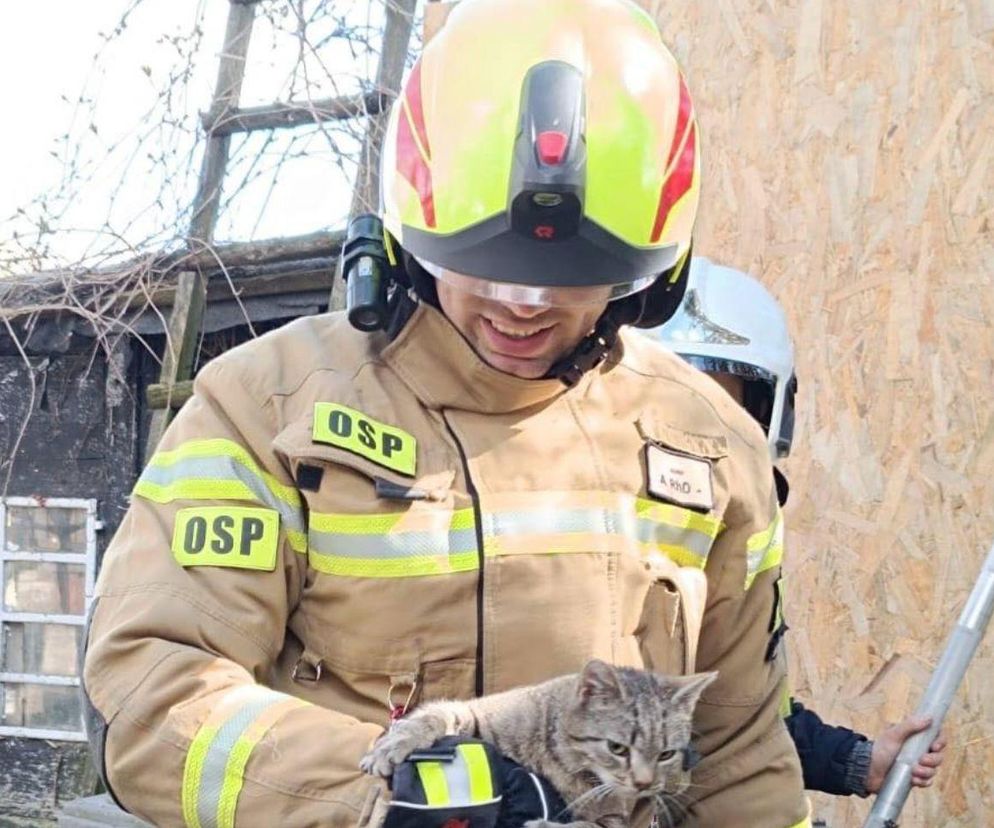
[
  {"x": 385, "y": 445},
  {"x": 231, "y": 536},
  {"x": 679, "y": 478}
]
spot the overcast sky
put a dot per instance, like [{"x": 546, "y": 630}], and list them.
[{"x": 47, "y": 53}]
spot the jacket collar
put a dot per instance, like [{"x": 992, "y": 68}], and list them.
[{"x": 441, "y": 368}]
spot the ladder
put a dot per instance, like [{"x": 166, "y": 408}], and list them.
[{"x": 220, "y": 122}]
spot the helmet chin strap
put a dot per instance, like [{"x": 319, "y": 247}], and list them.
[
  {"x": 593, "y": 349},
  {"x": 589, "y": 353}
]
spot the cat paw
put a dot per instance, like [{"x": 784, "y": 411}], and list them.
[{"x": 393, "y": 747}]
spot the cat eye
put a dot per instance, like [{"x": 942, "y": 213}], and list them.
[
  {"x": 666, "y": 755},
  {"x": 617, "y": 748}
]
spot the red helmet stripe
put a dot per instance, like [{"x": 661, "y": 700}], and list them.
[
  {"x": 412, "y": 158},
  {"x": 677, "y": 184},
  {"x": 416, "y": 108},
  {"x": 679, "y": 170},
  {"x": 682, "y": 119}
]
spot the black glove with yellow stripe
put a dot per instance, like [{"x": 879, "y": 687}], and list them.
[{"x": 465, "y": 783}]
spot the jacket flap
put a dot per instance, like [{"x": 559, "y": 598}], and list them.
[{"x": 712, "y": 447}]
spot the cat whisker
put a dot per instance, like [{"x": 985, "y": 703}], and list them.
[
  {"x": 598, "y": 792},
  {"x": 663, "y": 812},
  {"x": 664, "y": 801}
]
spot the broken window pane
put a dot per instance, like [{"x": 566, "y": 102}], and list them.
[
  {"x": 44, "y": 587},
  {"x": 41, "y": 649},
  {"x": 41, "y": 706},
  {"x": 37, "y": 529}
]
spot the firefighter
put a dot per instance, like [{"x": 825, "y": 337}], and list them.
[
  {"x": 730, "y": 327},
  {"x": 474, "y": 479}
]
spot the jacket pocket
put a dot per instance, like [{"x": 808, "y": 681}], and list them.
[
  {"x": 670, "y": 625},
  {"x": 358, "y": 478}
]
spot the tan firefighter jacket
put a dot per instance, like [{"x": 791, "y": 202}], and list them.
[{"x": 336, "y": 525}]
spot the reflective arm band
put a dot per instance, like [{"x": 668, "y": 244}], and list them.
[
  {"x": 216, "y": 759},
  {"x": 764, "y": 550},
  {"x": 221, "y": 469}
]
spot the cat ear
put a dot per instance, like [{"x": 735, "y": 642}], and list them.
[
  {"x": 598, "y": 679},
  {"x": 689, "y": 688}
]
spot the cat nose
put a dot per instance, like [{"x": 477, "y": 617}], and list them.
[{"x": 642, "y": 778}]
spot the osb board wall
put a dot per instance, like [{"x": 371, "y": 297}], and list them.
[{"x": 848, "y": 163}]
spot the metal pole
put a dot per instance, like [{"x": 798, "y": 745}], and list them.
[{"x": 942, "y": 686}]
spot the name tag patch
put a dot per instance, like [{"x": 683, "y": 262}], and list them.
[
  {"x": 231, "y": 536},
  {"x": 679, "y": 478},
  {"x": 387, "y": 446}
]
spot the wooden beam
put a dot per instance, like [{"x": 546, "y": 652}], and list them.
[
  {"x": 172, "y": 396},
  {"x": 227, "y": 90},
  {"x": 182, "y": 338},
  {"x": 191, "y": 290},
  {"x": 238, "y": 254},
  {"x": 294, "y": 113},
  {"x": 264, "y": 280}
]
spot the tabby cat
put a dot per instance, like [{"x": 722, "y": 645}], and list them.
[{"x": 606, "y": 738}]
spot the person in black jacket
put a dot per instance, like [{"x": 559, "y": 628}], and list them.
[{"x": 733, "y": 329}]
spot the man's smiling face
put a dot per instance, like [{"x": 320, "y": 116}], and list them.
[{"x": 523, "y": 340}]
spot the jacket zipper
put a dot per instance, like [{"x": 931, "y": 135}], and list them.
[{"x": 474, "y": 496}]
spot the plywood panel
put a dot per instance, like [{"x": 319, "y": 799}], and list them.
[{"x": 849, "y": 163}]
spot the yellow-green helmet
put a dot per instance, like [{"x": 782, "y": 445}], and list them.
[{"x": 544, "y": 143}]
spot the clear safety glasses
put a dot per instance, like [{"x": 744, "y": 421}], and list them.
[{"x": 535, "y": 295}]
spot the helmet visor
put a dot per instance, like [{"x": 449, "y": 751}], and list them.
[{"x": 536, "y": 295}]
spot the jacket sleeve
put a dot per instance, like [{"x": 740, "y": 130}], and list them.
[
  {"x": 828, "y": 754},
  {"x": 750, "y": 768},
  {"x": 190, "y": 614}
]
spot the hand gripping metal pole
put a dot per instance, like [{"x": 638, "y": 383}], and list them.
[{"x": 935, "y": 703}]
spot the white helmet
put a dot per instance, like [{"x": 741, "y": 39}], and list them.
[{"x": 729, "y": 323}]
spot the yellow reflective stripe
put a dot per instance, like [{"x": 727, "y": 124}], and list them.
[
  {"x": 213, "y": 772},
  {"x": 785, "y": 702},
  {"x": 426, "y": 540},
  {"x": 220, "y": 469},
  {"x": 414, "y": 520},
  {"x": 678, "y": 517},
  {"x": 481, "y": 788},
  {"x": 778, "y": 611},
  {"x": 222, "y": 447},
  {"x": 393, "y": 567},
  {"x": 806, "y": 822},
  {"x": 394, "y": 545},
  {"x": 433, "y": 781},
  {"x": 193, "y": 768},
  {"x": 764, "y": 550},
  {"x": 234, "y": 771}
]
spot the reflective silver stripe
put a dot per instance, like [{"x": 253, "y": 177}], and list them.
[
  {"x": 216, "y": 760},
  {"x": 457, "y": 780},
  {"x": 392, "y": 544},
  {"x": 595, "y": 521},
  {"x": 442, "y": 542},
  {"x": 541, "y": 796},
  {"x": 220, "y": 467}
]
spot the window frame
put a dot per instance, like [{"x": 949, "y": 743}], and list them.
[{"x": 89, "y": 558}]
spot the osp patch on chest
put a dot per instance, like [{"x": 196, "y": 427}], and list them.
[{"x": 344, "y": 427}]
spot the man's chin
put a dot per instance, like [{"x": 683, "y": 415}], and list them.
[{"x": 521, "y": 368}]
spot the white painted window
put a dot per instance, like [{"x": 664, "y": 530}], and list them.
[{"x": 48, "y": 553}]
